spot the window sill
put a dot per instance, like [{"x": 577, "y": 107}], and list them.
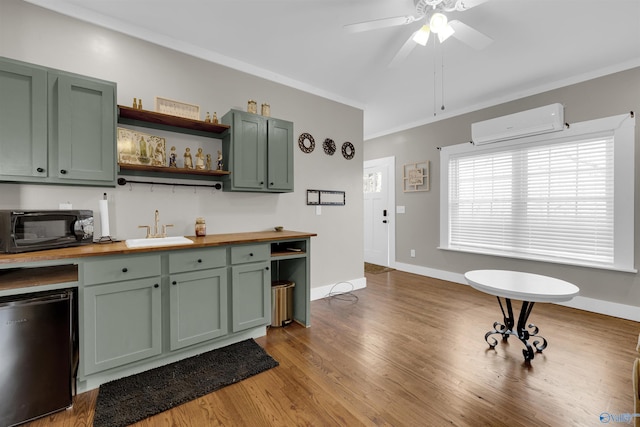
[{"x": 543, "y": 259}]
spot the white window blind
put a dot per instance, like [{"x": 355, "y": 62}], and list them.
[{"x": 547, "y": 199}]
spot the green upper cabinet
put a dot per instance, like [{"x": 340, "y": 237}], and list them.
[
  {"x": 56, "y": 127},
  {"x": 23, "y": 121},
  {"x": 280, "y": 155},
  {"x": 259, "y": 153},
  {"x": 82, "y": 131}
]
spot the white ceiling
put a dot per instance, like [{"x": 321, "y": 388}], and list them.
[{"x": 538, "y": 45}]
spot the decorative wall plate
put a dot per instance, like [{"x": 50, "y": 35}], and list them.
[
  {"x": 306, "y": 142},
  {"x": 329, "y": 146},
  {"x": 348, "y": 151}
]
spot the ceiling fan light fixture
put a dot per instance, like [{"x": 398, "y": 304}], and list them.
[
  {"x": 437, "y": 22},
  {"x": 445, "y": 33},
  {"x": 422, "y": 35}
]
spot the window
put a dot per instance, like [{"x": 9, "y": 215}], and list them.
[
  {"x": 372, "y": 182},
  {"x": 564, "y": 198}
]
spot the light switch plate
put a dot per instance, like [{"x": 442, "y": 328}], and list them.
[
  {"x": 399, "y": 209},
  {"x": 318, "y": 210}
]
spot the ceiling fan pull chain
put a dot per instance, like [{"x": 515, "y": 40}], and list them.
[
  {"x": 442, "y": 75},
  {"x": 434, "y": 78}
]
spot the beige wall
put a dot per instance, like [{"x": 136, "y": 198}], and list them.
[
  {"x": 418, "y": 229},
  {"x": 144, "y": 70}
]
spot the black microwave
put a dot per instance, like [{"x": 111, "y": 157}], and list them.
[{"x": 24, "y": 231}]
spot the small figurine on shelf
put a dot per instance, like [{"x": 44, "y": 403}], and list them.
[
  {"x": 208, "y": 118},
  {"x": 215, "y": 118},
  {"x": 158, "y": 156},
  {"x": 142, "y": 144},
  {"x": 172, "y": 158},
  {"x": 199, "y": 159},
  {"x": 188, "y": 161},
  {"x": 208, "y": 166},
  {"x": 219, "y": 163},
  {"x": 140, "y": 104},
  {"x": 135, "y": 102}
]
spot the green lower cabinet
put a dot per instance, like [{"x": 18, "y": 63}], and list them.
[
  {"x": 197, "y": 307},
  {"x": 250, "y": 295},
  {"x": 122, "y": 323}
]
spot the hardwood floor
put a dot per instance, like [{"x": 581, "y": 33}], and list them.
[{"x": 410, "y": 351}]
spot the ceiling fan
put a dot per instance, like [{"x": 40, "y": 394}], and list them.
[{"x": 432, "y": 13}]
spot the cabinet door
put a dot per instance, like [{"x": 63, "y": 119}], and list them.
[
  {"x": 122, "y": 323},
  {"x": 280, "y": 155},
  {"x": 23, "y": 121},
  {"x": 198, "y": 306},
  {"x": 250, "y": 295},
  {"x": 249, "y": 147},
  {"x": 82, "y": 129}
]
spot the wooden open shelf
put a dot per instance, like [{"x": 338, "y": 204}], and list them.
[
  {"x": 14, "y": 278},
  {"x": 168, "y": 170},
  {"x": 286, "y": 253},
  {"x": 152, "y": 119}
]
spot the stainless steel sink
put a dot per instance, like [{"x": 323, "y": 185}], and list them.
[{"x": 157, "y": 241}]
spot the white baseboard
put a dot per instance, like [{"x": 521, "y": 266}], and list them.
[
  {"x": 608, "y": 308},
  {"x": 340, "y": 287}
]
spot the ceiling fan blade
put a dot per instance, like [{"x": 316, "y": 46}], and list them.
[
  {"x": 380, "y": 23},
  {"x": 470, "y": 36},
  {"x": 468, "y": 4},
  {"x": 404, "y": 51}
]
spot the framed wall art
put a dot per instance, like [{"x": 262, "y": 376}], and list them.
[
  {"x": 177, "y": 108},
  {"x": 326, "y": 197},
  {"x": 138, "y": 148},
  {"x": 416, "y": 177}
]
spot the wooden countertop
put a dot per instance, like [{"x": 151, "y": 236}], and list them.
[{"x": 118, "y": 248}]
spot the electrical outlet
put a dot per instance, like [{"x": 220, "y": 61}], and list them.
[
  {"x": 318, "y": 210},
  {"x": 413, "y": 253},
  {"x": 65, "y": 206}
]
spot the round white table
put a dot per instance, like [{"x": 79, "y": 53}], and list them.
[{"x": 527, "y": 287}]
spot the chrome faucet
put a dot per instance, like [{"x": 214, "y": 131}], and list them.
[{"x": 155, "y": 227}]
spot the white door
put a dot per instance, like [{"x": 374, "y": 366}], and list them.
[{"x": 378, "y": 205}]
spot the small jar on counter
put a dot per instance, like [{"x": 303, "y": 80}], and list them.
[{"x": 201, "y": 227}]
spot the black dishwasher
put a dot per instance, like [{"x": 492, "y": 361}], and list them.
[{"x": 38, "y": 354}]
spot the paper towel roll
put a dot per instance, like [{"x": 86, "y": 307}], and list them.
[{"x": 104, "y": 217}]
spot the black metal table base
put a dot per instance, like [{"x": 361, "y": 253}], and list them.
[{"x": 523, "y": 331}]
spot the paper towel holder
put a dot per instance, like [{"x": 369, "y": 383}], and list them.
[{"x": 104, "y": 221}]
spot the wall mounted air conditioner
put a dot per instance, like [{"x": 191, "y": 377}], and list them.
[{"x": 549, "y": 118}]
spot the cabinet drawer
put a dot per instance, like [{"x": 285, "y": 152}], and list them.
[
  {"x": 250, "y": 253},
  {"x": 107, "y": 270},
  {"x": 200, "y": 259}
]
